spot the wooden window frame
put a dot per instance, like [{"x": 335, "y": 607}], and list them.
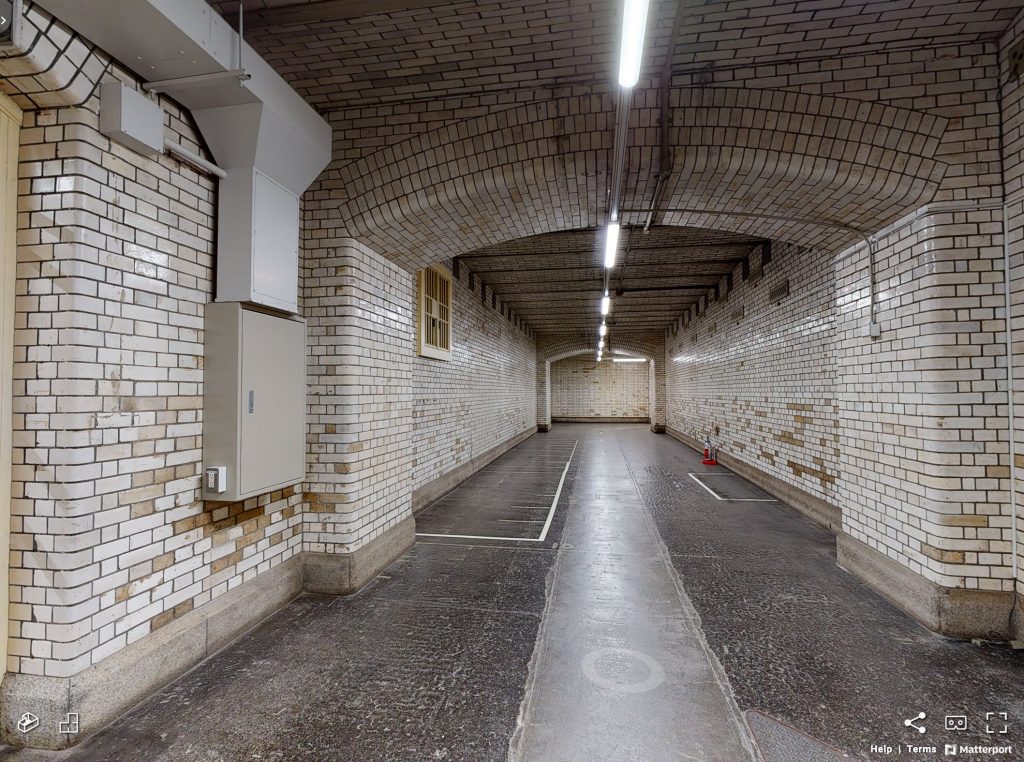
[{"x": 434, "y": 313}]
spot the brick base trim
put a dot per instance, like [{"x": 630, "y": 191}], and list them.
[
  {"x": 105, "y": 691},
  {"x": 436, "y": 488},
  {"x": 821, "y": 512},
  {"x": 1017, "y": 626},
  {"x": 949, "y": 611},
  {"x": 345, "y": 573}
]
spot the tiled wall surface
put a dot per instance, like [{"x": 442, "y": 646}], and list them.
[
  {"x": 756, "y": 372},
  {"x": 360, "y": 325},
  {"x": 1013, "y": 164},
  {"x": 110, "y": 540},
  {"x": 583, "y": 388},
  {"x": 923, "y": 407},
  {"x": 553, "y": 347},
  {"x": 484, "y": 396}
]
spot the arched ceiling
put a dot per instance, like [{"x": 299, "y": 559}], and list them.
[
  {"x": 481, "y": 131},
  {"x": 345, "y": 53},
  {"x": 555, "y": 281}
]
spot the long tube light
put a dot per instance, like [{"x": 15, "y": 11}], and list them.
[
  {"x": 602, "y": 330},
  {"x": 611, "y": 245},
  {"x": 606, "y": 304},
  {"x": 634, "y": 27}
]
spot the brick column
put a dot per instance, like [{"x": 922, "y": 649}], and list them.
[
  {"x": 657, "y": 371},
  {"x": 359, "y": 490},
  {"x": 543, "y": 395},
  {"x": 924, "y": 466}
]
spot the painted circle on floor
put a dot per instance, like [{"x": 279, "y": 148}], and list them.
[{"x": 621, "y": 670}]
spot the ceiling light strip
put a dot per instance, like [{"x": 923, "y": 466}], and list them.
[{"x": 631, "y": 53}]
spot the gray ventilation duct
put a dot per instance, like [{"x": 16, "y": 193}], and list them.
[{"x": 269, "y": 140}]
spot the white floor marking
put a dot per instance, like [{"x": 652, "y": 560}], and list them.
[
  {"x": 547, "y": 523},
  {"x": 558, "y": 492},
  {"x": 618, "y": 657},
  {"x": 478, "y": 537},
  {"x": 716, "y": 496}
]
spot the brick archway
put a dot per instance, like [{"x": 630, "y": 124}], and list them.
[
  {"x": 555, "y": 348},
  {"x": 543, "y": 167}
]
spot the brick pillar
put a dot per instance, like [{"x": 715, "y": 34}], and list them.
[
  {"x": 657, "y": 371},
  {"x": 359, "y": 489},
  {"x": 543, "y": 395},
  {"x": 923, "y": 429}
]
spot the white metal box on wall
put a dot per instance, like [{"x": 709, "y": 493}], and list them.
[
  {"x": 130, "y": 118},
  {"x": 254, "y": 402},
  {"x": 258, "y": 230}
]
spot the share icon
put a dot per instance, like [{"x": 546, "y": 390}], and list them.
[{"x": 912, "y": 722}]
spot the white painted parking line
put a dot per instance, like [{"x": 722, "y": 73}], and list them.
[
  {"x": 558, "y": 492},
  {"x": 547, "y": 522},
  {"x": 716, "y": 496}
]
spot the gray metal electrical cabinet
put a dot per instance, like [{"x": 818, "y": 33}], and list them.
[{"x": 254, "y": 402}]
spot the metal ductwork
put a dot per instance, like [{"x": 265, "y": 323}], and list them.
[{"x": 269, "y": 141}]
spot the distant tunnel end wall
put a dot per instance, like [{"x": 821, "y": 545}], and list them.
[{"x": 583, "y": 389}]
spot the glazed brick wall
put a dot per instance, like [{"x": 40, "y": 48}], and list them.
[
  {"x": 757, "y": 372},
  {"x": 484, "y": 396},
  {"x": 584, "y": 388},
  {"x": 923, "y": 407},
  {"x": 360, "y": 417},
  {"x": 109, "y": 537},
  {"x": 378, "y": 412},
  {"x": 1013, "y": 145},
  {"x": 554, "y": 347}
]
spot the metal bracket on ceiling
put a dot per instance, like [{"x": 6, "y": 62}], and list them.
[{"x": 197, "y": 80}]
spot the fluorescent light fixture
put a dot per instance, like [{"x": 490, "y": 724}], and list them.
[
  {"x": 611, "y": 245},
  {"x": 600, "y": 344},
  {"x": 602, "y": 330},
  {"x": 634, "y": 26},
  {"x": 606, "y": 304},
  {"x": 628, "y": 359}
]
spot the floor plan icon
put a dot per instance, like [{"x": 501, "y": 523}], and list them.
[{"x": 70, "y": 724}]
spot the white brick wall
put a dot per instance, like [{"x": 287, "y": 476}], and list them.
[
  {"x": 923, "y": 408},
  {"x": 360, "y": 325},
  {"x": 1013, "y": 144},
  {"x": 584, "y": 388},
  {"x": 109, "y": 537},
  {"x": 484, "y": 396},
  {"x": 757, "y": 374},
  {"x": 554, "y": 347}
]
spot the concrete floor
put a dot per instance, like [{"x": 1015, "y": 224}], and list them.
[{"x": 652, "y": 622}]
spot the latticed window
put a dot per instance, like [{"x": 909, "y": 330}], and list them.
[{"x": 435, "y": 314}]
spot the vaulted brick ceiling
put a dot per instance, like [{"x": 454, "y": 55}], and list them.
[
  {"x": 365, "y": 62},
  {"x": 340, "y": 53},
  {"x": 554, "y": 281}
]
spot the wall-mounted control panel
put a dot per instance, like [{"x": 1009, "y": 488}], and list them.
[
  {"x": 254, "y": 402},
  {"x": 131, "y": 118}
]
